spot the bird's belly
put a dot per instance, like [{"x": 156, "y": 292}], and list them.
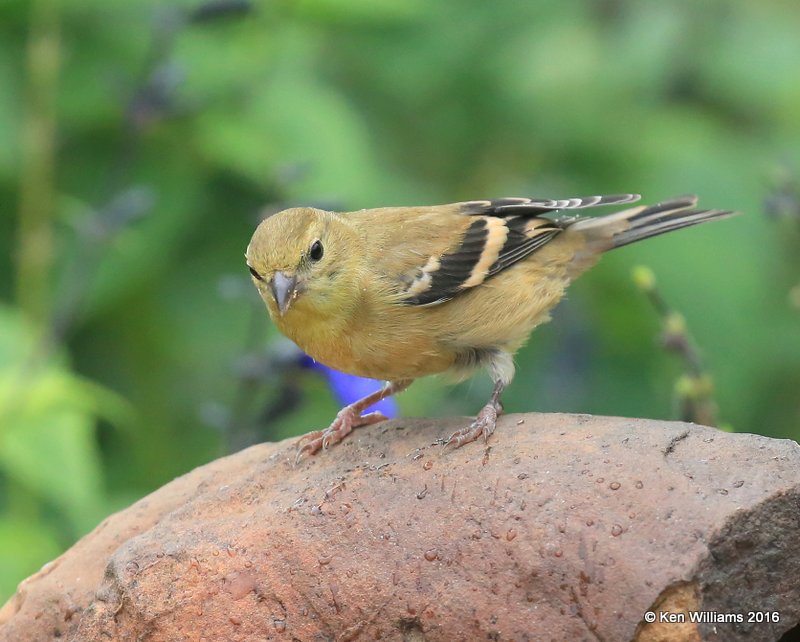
[{"x": 501, "y": 314}]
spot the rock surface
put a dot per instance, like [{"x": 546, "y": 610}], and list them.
[{"x": 563, "y": 527}]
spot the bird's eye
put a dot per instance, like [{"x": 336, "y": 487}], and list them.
[
  {"x": 255, "y": 274},
  {"x": 316, "y": 251}
]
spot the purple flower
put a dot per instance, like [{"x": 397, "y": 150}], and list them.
[{"x": 350, "y": 388}]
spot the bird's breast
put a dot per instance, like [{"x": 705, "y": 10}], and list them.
[{"x": 393, "y": 347}]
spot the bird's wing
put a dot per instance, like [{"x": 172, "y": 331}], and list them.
[
  {"x": 502, "y": 232},
  {"x": 538, "y": 206}
]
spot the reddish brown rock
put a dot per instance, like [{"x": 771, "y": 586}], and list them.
[{"x": 564, "y": 527}]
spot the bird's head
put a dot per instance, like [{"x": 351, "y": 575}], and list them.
[{"x": 297, "y": 259}]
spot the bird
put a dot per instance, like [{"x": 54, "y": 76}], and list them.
[{"x": 399, "y": 293}]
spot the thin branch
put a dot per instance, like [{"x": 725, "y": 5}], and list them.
[{"x": 694, "y": 389}]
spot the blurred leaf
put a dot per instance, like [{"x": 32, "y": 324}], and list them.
[
  {"x": 52, "y": 451},
  {"x": 26, "y": 547},
  {"x": 360, "y": 12},
  {"x": 47, "y": 423},
  {"x": 292, "y": 119},
  {"x": 9, "y": 112},
  {"x": 755, "y": 57},
  {"x": 244, "y": 50}
]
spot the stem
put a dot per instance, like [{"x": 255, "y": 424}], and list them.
[
  {"x": 37, "y": 190},
  {"x": 694, "y": 391}
]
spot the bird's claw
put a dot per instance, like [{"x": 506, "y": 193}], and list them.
[
  {"x": 347, "y": 419},
  {"x": 484, "y": 424}
]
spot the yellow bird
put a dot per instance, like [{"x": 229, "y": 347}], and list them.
[{"x": 399, "y": 293}]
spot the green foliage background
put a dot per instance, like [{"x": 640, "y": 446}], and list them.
[{"x": 141, "y": 142}]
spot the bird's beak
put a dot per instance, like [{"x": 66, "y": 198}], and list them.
[{"x": 284, "y": 290}]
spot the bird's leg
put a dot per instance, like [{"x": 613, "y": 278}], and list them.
[
  {"x": 348, "y": 418},
  {"x": 484, "y": 423}
]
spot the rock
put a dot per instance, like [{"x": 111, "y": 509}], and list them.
[{"x": 563, "y": 527}]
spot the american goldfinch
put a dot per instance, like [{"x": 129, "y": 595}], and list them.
[{"x": 399, "y": 293}]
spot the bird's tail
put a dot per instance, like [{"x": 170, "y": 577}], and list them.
[{"x": 637, "y": 223}]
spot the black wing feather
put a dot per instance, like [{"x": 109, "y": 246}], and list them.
[
  {"x": 454, "y": 268},
  {"x": 526, "y": 230},
  {"x": 444, "y": 277},
  {"x": 538, "y": 206},
  {"x": 520, "y": 244}
]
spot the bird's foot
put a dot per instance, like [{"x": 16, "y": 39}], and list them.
[
  {"x": 347, "y": 419},
  {"x": 484, "y": 424}
]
